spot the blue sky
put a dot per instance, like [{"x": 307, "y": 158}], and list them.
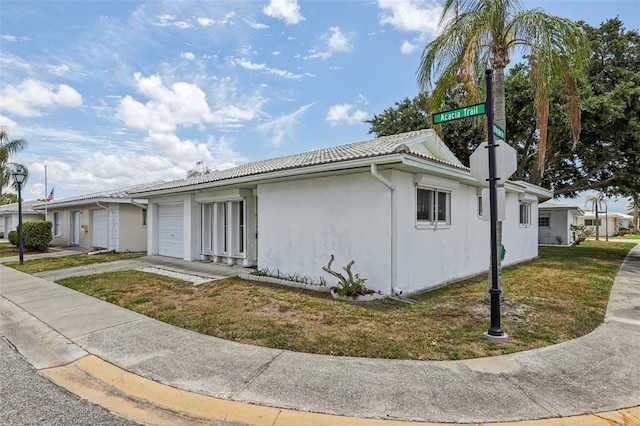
[{"x": 112, "y": 93}]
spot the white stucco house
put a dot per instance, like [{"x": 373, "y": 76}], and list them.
[
  {"x": 555, "y": 221},
  {"x": 610, "y": 222},
  {"x": 402, "y": 207},
  {"x": 110, "y": 219},
  {"x": 9, "y": 215}
]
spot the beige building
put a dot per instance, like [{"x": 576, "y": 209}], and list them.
[{"x": 110, "y": 220}]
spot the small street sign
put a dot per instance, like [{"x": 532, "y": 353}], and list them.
[
  {"x": 498, "y": 132},
  {"x": 457, "y": 114}
]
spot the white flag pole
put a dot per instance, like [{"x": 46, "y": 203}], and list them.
[{"x": 46, "y": 194}]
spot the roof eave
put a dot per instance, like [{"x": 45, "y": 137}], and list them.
[{"x": 296, "y": 172}]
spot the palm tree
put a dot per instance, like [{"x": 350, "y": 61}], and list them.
[
  {"x": 596, "y": 205},
  {"x": 9, "y": 147},
  {"x": 479, "y": 34},
  {"x": 199, "y": 170}
]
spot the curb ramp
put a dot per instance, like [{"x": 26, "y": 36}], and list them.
[{"x": 152, "y": 403}]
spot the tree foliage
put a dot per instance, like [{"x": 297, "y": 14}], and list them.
[
  {"x": 606, "y": 158},
  {"x": 479, "y": 34},
  {"x": 8, "y": 148}
]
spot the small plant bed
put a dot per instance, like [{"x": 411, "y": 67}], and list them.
[
  {"x": 34, "y": 266},
  {"x": 559, "y": 296}
]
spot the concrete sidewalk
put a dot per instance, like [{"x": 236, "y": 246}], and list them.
[{"x": 61, "y": 331}]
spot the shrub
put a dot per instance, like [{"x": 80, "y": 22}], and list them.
[
  {"x": 1, "y": 234},
  {"x": 13, "y": 237},
  {"x": 37, "y": 235}
]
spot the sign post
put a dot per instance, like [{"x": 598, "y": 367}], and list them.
[
  {"x": 495, "y": 331},
  {"x": 505, "y": 165}
]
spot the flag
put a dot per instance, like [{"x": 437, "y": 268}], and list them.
[{"x": 50, "y": 197}]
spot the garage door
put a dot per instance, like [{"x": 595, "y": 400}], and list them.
[
  {"x": 170, "y": 230},
  {"x": 100, "y": 228}
]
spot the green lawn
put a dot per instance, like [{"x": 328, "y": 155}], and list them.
[
  {"x": 51, "y": 263},
  {"x": 559, "y": 296}
]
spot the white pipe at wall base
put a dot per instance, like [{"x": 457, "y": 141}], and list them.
[{"x": 394, "y": 234}]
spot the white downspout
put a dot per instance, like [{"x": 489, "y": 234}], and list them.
[
  {"x": 108, "y": 222},
  {"x": 394, "y": 234}
]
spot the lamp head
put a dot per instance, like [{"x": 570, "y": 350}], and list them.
[{"x": 19, "y": 175}]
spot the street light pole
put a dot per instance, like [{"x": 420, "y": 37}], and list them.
[
  {"x": 495, "y": 331},
  {"x": 19, "y": 176}
]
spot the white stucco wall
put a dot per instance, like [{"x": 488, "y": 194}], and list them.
[
  {"x": 301, "y": 223},
  {"x": 520, "y": 242},
  {"x": 429, "y": 257},
  {"x": 560, "y": 222}
]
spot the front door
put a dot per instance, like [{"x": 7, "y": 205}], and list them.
[{"x": 75, "y": 228}]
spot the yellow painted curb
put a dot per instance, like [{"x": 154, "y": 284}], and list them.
[{"x": 149, "y": 402}]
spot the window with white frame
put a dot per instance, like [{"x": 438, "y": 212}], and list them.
[
  {"x": 433, "y": 207},
  {"x": 223, "y": 228},
  {"x": 56, "y": 224},
  {"x": 525, "y": 214},
  {"x": 480, "y": 206},
  {"x": 544, "y": 222},
  {"x": 592, "y": 222}
]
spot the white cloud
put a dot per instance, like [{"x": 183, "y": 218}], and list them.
[
  {"x": 27, "y": 98},
  {"x": 257, "y": 25},
  {"x": 345, "y": 113},
  {"x": 182, "y": 105},
  {"x": 227, "y": 19},
  {"x": 58, "y": 69},
  {"x": 411, "y": 15},
  {"x": 167, "y": 20},
  {"x": 408, "y": 48},
  {"x": 9, "y": 38},
  {"x": 287, "y": 10},
  {"x": 335, "y": 41},
  {"x": 205, "y": 22},
  {"x": 247, "y": 64},
  {"x": 98, "y": 170},
  {"x": 282, "y": 128},
  {"x": 188, "y": 55}
]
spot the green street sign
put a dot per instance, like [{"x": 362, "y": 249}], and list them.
[
  {"x": 457, "y": 114},
  {"x": 498, "y": 131}
]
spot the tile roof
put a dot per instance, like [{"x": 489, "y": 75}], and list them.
[
  {"x": 552, "y": 205},
  {"x": 364, "y": 149},
  {"x": 118, "y": 193},
  {"x": 27, "y": 207}
]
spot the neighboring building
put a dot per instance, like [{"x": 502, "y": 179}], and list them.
[
  {"x": 9, "y": 215},
  {"x": 111, "y": 220},
  {"x": 402, "y": 207},
  {"x": 610, "y": 222},
  {"x": 554, "y": 223}
]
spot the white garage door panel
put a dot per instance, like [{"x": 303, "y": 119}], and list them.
[
  {"x": 100, "y": 219},
  {"x": 170, "y": 225}
]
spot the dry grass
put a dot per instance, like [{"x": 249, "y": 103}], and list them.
[
  {"x": 51, "y": 263},
  {"x": 560, "y": 296}
]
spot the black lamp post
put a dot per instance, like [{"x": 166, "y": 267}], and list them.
[{"x": 19, "y": 176}]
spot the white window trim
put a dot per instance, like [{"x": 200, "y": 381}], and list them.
[
  {"x": 434, "y": 224},
  {"x": 528, "y": 219},
  {"x": 544, "y": 217},
  {"x": 58, "y": 222}
]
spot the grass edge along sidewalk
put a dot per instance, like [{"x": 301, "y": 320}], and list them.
[{"x": 559, "y": 296}]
